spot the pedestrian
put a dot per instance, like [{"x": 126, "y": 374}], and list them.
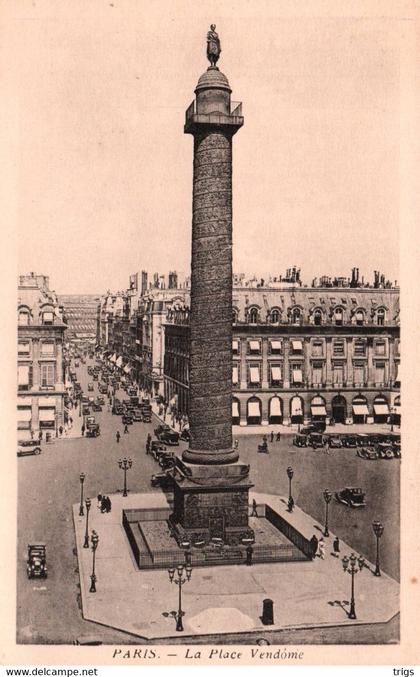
[
  {"x": 83, "y": 429},
  {"x": 108, "y": 504},
  {"x": 254, "y": 512},
  {"x": 60, "y": 430},
  {"x": 278, "y": 437},
  {"x": 126, "y": 429},
  {"x": 327, "y": 445},
  {"x": 118, "y": 436},
  {"x": 321, "y": 548},
  {"x": 249, "y": 553},
  {"x": 236, "y": 444},
  {"x": 99, "y": 501},
  {"x": 32, "y": 434},
  {"x": 71, "y": 421},
  {"x": 314, "y": 546},
  {"x": 272, "y": 436},
  {"x": 40, "y": 436},
  {"x": 103, "y": 504},
  {"x": 336, "y": 546}
]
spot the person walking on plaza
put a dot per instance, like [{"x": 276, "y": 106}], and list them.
[
  {"x": 118, "y": 436},
  {"x": 336, "y": 546},
  {"x": 60, "y": 430},
  {"x": 321, "y": 548},
  {"x": 99, "y": 497},
  {"x": 272, "y": 436},
  {"x": 83, "y": 429},
  {"x": 40, "y": 436},
  {"x": 32, "y": 434},
  {"x": 254, "y": 508},
  {"x": 278, "y": 437},
  {"x": 314, "y": 546},
  {"x": 126, "y": 429},
  {"x": 236, "y": 444},
  {"x": 148, "y": 442}
]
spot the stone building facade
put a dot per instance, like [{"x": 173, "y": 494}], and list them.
[
  {"x": 302, "y": 354},
  {"x": 40, "y": 360}
]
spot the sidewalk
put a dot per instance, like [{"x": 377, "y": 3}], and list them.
[{"x": 222, "y": 599}]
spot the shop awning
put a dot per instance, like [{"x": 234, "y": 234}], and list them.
[
  {"x": 318, "y": 410},
  {"x": 297, "y": 345},
  {"x": 119, "y": 362},
  {"x": 254, "y": 374},
  {"x": 360, "y": 409},
  {"x": 380, "y": 408},
  {"x": 275, "y": 346},
  {"x": 296, "y": 407},
  {"x": 235, "y": 375},
  {"x": 235, "y": 410},
  {"x": 275, "y": 406},
  {"x": 254, "y": 346},
  {"x": 235, "y": 346},
  {"x": 47, "y": 414},
  {"x": 254, "y": 409},
  {"x": 297, "y": 376},
  {"x": 24, "y": 414},
  {"x": 276, "y": 373}
]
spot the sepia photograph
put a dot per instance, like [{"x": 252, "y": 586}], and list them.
[{"x": 207, "y": 326}]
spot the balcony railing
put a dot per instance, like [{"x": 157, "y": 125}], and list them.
[{"x": 235, "y": 110}]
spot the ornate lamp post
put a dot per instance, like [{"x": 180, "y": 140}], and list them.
[
  {"x": 353, "y": 565},
  {"x": 94, "y": 539},
  {"x": 88, "y": 504},
  {"x": 327, "y": 499},
  {"x": 80, "y": 405},
  {"x": 82, "y": 479},
  {"x": 378, "y": 530},
  {"x": 290, "y": 503},
  {"x": 179, "y": 580},
  {"x": 125, "y": 464}
]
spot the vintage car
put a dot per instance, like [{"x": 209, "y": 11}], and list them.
[
  {"x": 93, "y": 430},
  {"x": 90, "y": 370},
  {"x": 86, "y": 410},
  {"x": 300, "y": 440},
  {"x": 147, "y": 417},
  {"x": 96, "y": 406},
  {"x": 349, "y": 441},
  {"x": 335, "y": 442},
  {"x": 137, "y": 415},
  {"x": 28, "y": 448},
  {"x": 127, "y": 419},
  {"x": 100, "y": 400},
  {"x": 103, "y": 388},
  {"x": 314, "y": 427},
  {"x": 353, "y": 497},
  {"x": 91, "y": 387},
  {"x": 165, "y": 434},
  {"x": 96, "y": 377},
  {"x": 384, "y": 450},
  {"x": 316, "y": 440},
  {"x": 367, "y": 453},
  {"x": 185, "y": 435},
  {"x": 162, "y": 479},
  {"x": 166, "y": 460},
  {"x": 36, "y": 564},
  {"x": 118, "y": 409}
]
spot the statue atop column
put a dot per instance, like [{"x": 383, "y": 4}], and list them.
[{"x": 213, "y": 46}]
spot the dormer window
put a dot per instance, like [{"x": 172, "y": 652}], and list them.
[
  {"x": 47, "y": 317},
  {"x": 338, "y": 317},
  {"x": 296, "y": 316},
  {"x": 318, "y": 317},
  {"x": 275, "y": 316},
  {"x": 360, "y": 318},
  {"x": 253, "y": 315},
  {"x": 380, "y": 317}
]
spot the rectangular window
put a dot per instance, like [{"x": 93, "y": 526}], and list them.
[
  {"x": 275, "y": 375},
  {"x": 296, "y": 374},
  {"x": 380, "y": 347},
  {"x": 360, "y": 348},
  {"x": 338, "y": 374},
  {"x": 254, "y": 347},
  {"x": 47, "y": 348},
  {"x": 297, "y": 347},
  {"x": 359, "y": 373},
  {"x": 254, "y": 375},
  {"x": 275, "y": 347},
  {"x": 24, "y": 348},
  {"x": 47, "y": 375},
  {"x": 48, "y": 318},
  {"x": 379, "y": 372},
  {"x": 317, "y": 374},
  {"x": 23, "y": 375},
  {"x": 235, "y": 375},
  {"x": 338, "y": 348},
  {"x": 317, "y": 348},
  {"x": 235, "y": 347}
]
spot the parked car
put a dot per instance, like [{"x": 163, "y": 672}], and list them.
[
  {"x": 316, "y": 440},
  {"x": 300, "y": 440},
  {"x": 118, "y": 409},
  {"x": 335, "y": 442},
  {"x": 367, "y": 453},
  {"x": 166, "y": 461},
  {"x": 384, "y": 450},
  {"x": 147, "y": 417},
  {"x": 127, "y": 419},
  {"x": 36, "y": 564},
  {"x": 162, "y": 479},
  {"x": 137, "y": 416},
  {"x": 185, "y": 435},
  {"x": 349, "y": 441},
  {"x": 93, "y": 430},
  {"x": 28, "y": 448},
  {"x": 165, "y": 434},
  {"x": 352, "y": 497},
  {"x": 96, "y": 406},
  {"x": 100, "y": 400},
  {"x": 86, "y": 410},
  {"x": 103, "y": 388},
  {"x": 91, "y": 387},
  {"x": 96, "y": 377}
]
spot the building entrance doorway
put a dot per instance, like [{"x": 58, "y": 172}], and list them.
[{"x": 339, "y": 409}]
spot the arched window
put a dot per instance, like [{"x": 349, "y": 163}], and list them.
[
  {"x": 253, "y": 315},
  {"x": 380, "y": 317},
  {"x": 275, "y": 316},
  {"x": 296, "y": 316},
  {"x": 360, "y": 318},
  {"x": 23, "y": 318},
  {"x": 318, "y": 317},
  {"x": 338, "y": 317}
]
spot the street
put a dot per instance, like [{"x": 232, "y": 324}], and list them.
[{"x": 48, "y": 611}]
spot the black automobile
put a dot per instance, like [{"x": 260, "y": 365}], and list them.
[
  {"x": 165, "y": 434},
  {"x": 96, "y": 406},
  {"x": 28, "y": 448},
  {"x": 127, "y": 419},
  {"x": 100, "y": 400},
  {"x": 36, "y": 564},
  {"x": 185, "y": 435},
  {"x": 300, "y": 440},
  {"x": 316, "y": 440},
  {"x": 118, "y": 409},
  {"x": 162, "y": 479},
  {"x": 352, "y": 497},
  {"x": 335, "y": 442},
  {"x": 349, "y": 441},
  {"x": 166, "y": 461}
]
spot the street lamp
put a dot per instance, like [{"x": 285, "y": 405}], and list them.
[
  {"x": 327, "y": 499},
  {"x": 94, "y": 539},
  {"x": 88, "y": 504},
  {"x": 353, "y": 565},
  {"x": 290, "y": 502},
  {"x": 82, "y": 479},
  {"x": 179, "y": 580},
  {"x": 125, "y": 464},
  {"x": 80, "y": 405},
  {"x": 378, "y": 530},
  {"x": 392, "y": 412}
]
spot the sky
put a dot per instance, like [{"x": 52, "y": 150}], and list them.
[{"x": 105, "y": 170}]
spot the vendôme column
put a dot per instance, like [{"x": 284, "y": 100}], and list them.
[{"x": 210, "y": 120}]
